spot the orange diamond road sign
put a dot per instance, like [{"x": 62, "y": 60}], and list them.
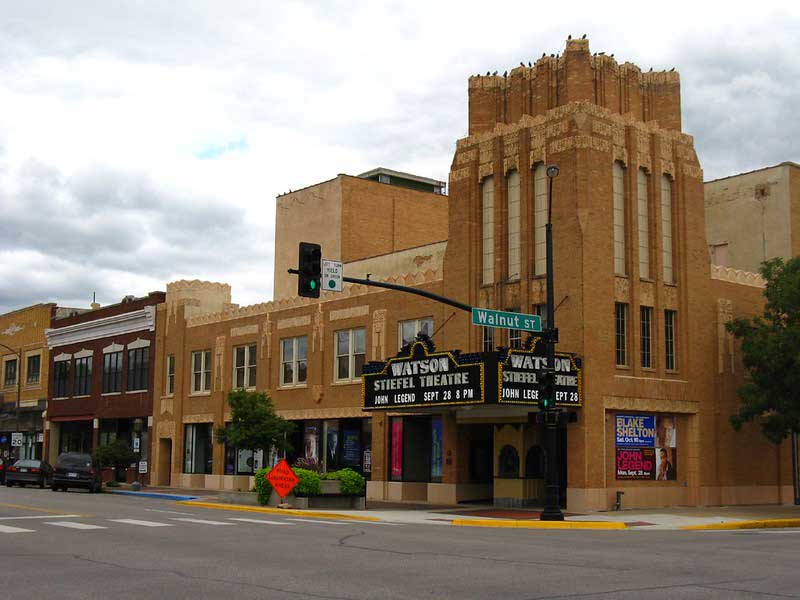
[{"x": 282, "y": 478}]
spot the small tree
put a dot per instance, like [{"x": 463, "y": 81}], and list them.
[
  {"x": 117, "y": 454},
  {"x": 254, "y": 424},
  {"x": 771, "y": 354}
]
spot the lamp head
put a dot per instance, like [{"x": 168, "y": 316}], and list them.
[{"x": 552, "y": 171}]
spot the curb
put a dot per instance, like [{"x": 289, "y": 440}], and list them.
[
  {"x": 758, "y": 524},
  {"x": 597, "y": 525},
  {"x": 151, "y": 495},
  {"x": 279, "y": 511}
]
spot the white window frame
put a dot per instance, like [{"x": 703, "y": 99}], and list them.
[
  {"x": 204, "y": 372},
  {"x": 514, "y": 221},
  {"x": 249, "y": 368},
  {"x": 417, "y": 325},
  {"x": 540, "y": 220},
  {"x": 295, "y": 362},
  {"x": 487, "y": 226},
  {"x": 350, "y": 354},
  {"x": 618, "y": 176},
  {"x": 170, "y": 373}
]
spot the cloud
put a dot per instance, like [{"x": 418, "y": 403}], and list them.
[{"x": 145, "y": 142}]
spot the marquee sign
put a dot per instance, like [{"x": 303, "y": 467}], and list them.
[
  {"x": 520, "y": 373},
  {"x": 419, "y": 376}
]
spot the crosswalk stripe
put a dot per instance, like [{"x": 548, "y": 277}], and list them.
[
  {"x": 318, "y": 521},
  {"x": 9, "y": 529},
  {"x": 142, "y": 523},
  {"x": 40, "y": 517},
  {"x": 74, "y": 525},
  {"x": 262, "y": 521},
  {"x": 200, "y": 521}
]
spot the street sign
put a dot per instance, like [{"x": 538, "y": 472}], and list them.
[
  {"x": 136, "y": 444},
  {"x": 506, "y": 320},
  {"x": 142, "y": 466},
  {"x": 282, "y": 478},
  {"x": 16, "y": 439},
  {"x": 332, "y": 272}
]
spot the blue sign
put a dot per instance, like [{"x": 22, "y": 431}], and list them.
[
  {"x": 3, "y": 440},
  {"x": 635, "y": 431}
]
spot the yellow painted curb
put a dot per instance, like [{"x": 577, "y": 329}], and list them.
[
  {"x": 278, "y": 511},
  {"x": 759, "y": 524},
  {"x": 608, "y": 525}
]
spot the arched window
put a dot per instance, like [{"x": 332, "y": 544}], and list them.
[
  {"x": 534, "y": 463},
  {"x": 509, "y": 462}
]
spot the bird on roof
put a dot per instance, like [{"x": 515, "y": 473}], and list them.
[
  {"x": 602, "y": 53},
  {"x": 569, "y": 37},
  {"x": 552, "y": 56},
  {"x": 487, "y": 73},
  {"x": 505, "y": 73},
  {"x": 672, "y": 69},
  {"x": 529, "y": 64},
  {"x": 544, "y": 54},
  {"x": 521, "y": 64},
  {"x": 495, "y": 73},
  {"x": 651, "y": 69},
  {"x": 611, "y": 55},
  {"x": 583, "y": 37}
]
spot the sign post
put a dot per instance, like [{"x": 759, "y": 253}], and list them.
[{"x": 282, "y": 479}]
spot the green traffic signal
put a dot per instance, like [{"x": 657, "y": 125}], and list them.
[{"x": 312, "y": 284}]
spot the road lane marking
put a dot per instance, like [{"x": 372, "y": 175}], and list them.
[
  {"x": 321, "y": 522},
  {"x": 74, "y": 525},
  {"x": 9, "y": 529},
  {"x": 173, "y": 512},
  {"x": 262, "y": 521},
  {"x": 200, "y": 521},
  {"x": 141, "y": 523},
  {"x": 33, "y": 508},
  {"x": 41, "y": 517}
]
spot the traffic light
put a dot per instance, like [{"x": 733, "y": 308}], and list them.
[
  {"x": 309, "y": 279},
  {"x": 547, "y": 393}
]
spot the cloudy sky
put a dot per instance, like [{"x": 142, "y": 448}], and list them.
[{"x": 145, "y": 141}]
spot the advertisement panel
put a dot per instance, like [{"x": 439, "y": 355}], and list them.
[
  {"x": 436, "y": 447},
  {"x": 521, "y": 372},
  {"x": 396, "y": 471},
  {"x": 646, "y": 447}
]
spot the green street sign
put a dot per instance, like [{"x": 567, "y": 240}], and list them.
[{"x": 486, "y": 317}]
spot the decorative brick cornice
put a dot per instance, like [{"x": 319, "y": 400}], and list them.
[
  {"x": 129, "y": 322},
  {"x": 737, "y": 276}
]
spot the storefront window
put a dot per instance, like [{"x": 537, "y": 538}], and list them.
[
  {"x": 198, "y": 449},
  {"x": 239, "y": 461}
]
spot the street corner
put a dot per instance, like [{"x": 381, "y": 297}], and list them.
[{"x": 533, "y": 524}]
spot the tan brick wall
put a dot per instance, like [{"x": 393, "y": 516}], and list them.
[{"x": 24, "y": 329}]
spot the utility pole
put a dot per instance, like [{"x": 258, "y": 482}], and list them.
[{"x": 552, "y": 506}]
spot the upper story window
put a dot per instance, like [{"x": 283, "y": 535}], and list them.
[
  {"x": 34, "y": 369},
  {"x": 621, "y": 333},
  {"x": 644, "y": 224},
  {"x": 540, "y": 220},
  {"x": 201, "y": 371},
  {"x": 138, "y": 369},
  {"x": 61, "y": 378},
  {"x": 294, "y": 361},
  {"x": 619, "y": 219},
  {"x": 170, "y": 372},
  {"x": 83, "y": 376},
  {"x": 112, "y": 372},
  {"x": 10, "y": 375},
  {"x": 487, "y": 209},
  {"x": 646, "y": 337},
  {"x": 488, "y": 339},
  {"x": 350, "y": 353},
  {"x": 244, "y": 366},
  {"x": 541, "y": 310},
  {"x": 669, "y": 339},
  {"x": 513, "y": 225},
  {"x": 408, "y": 330},
  {"x": 666, "y": 228},
  {"x": 514, "y": 335}
]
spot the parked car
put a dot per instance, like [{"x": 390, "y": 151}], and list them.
[
  {"x": 28, "y": 471},
  {"x": 75, "y": 470},
  {"x": 2, "y": 471}
]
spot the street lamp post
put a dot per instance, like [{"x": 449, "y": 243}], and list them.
[
  {"x": 552, "y": 506},
  {"x": 138, "y": 425},
  {"x": 19, "y": 383}
]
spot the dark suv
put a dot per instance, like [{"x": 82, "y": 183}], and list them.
[{"x": 76, "y": 470}]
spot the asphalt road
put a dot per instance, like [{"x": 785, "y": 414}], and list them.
[{"x": 76, "y": 545}]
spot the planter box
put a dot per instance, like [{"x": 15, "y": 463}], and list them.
[
  {"x": 331, "y": 501},
  {"x": 330, "y": 486}
]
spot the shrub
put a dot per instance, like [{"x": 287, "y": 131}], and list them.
[
  {"x": 309, "y": 483},
  {"x": 263, "y": 486},
  {"x": 351, "y": 482}
]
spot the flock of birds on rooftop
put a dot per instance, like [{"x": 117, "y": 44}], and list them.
[{"x": 556, "y": 56}]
